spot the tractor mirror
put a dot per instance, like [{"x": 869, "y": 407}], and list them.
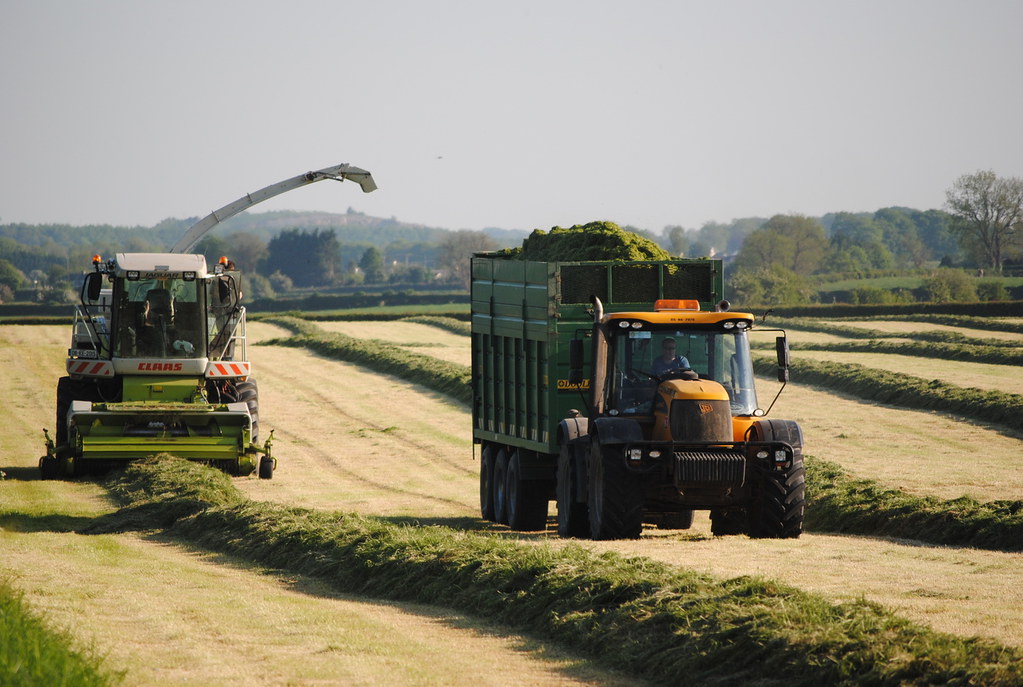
[
  {"x": 93, "y": 285},
  {"x": 575, "y": 361},
  {"x": 781, "y": 346}
]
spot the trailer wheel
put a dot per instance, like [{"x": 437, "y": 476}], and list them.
[
  {"x": 526, "y": 500},
  {"x": 500, "y": 486},
  {"x": 487, "y": 482},
  {"x": 682, "y": 520},
  {"x": 726, "y": 521},
  {"x": 616, "y": 496},
  {"x": 573, "y": 518}
]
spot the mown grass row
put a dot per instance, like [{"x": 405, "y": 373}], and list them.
[
  {"x": 34, "y": 654},
  {"x": 807, "y": 324},
  {"x": 964, "y": 321},
  {"x": 666, "y": 624},
  {"x": 898, "y": 389},
  {"x": 440, "y": 375},
  {"x": 448, "y": 324},
  {"x": 840, "y": 503},
  {"x": 944, "y": 351}
]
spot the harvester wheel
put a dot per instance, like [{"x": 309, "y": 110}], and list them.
[
  {"x": 526, "y": 500},
  {"x": 500, "y": 486},
  {"x": 573, "y": 518},
  {"x": 616, "y": 496},
  {"x": 266, "y": 468},
  {"x": 487, "y": 482},
  {"x": 49, "y": 467},
  {"x": 248, "y": 393}
]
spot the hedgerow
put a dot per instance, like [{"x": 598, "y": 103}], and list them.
[
  {"x": 663, "y": 623},
  {"x": 807, "y": 324}
]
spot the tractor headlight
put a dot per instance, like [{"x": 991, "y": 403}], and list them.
[
  {"x": 763, "y": 454},
  {"x": 728, "y": 325},
  {"x": 634, "y": 453}
]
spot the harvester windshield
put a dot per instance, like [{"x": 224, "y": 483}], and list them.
[
  {"x": 159, "y": 318},
  {"x": 643, "y": 358}
]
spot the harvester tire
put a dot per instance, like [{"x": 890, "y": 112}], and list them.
[
  {"x": 266, "y": 468},
  {"x": 779, "y": 496},
  {"x": 49, "y": 467},
  {"x": 248, "y": 393},
  {"x": 616, "y": 496},
  {"x": 573, "y": 518},
  {"x": 487, "y": 482},
  {"x": 526, "y": 500},
  {"x": 500, "y": 486}
]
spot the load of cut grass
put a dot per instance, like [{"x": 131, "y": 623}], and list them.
[
  {"x": 34, "y": 654},
  {"x": 582, "y": 242},
  {"x": 666, "y": 624}
]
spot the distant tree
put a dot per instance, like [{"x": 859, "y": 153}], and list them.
[
  {"x": 11, "y": 276},
  {"x": 213, "y": 247},
  {"x": 281, "y": 282},
  {"x": 949, "y": 285},
  {"x": 247, "y": 250},
  {"x": 456, "y": 250},
  {"x": 987, "y": 212},
  {"x": 308, "y": 258},
  {"x": 372, "y": 265},
  {"x": 677, "y": 239},
  {"x": 794, "y": 242},
  {"x": 771, "y": 285}
]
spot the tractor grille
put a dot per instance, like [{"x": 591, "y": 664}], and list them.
[{"x": 719, "y": 467}]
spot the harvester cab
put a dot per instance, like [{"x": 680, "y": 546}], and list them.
[{"x": 158, "y": 363}]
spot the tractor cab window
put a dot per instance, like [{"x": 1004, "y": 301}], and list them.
[
  {"x": 159, "y": 318},
  {"x": 641, "y": 359}
]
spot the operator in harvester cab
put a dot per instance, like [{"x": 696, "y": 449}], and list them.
[{"x": 668, "y": 360}]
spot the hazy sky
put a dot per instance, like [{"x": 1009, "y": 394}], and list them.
[{"x": 515, "y": 114}]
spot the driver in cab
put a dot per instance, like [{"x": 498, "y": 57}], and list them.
[{"x": 668, "y": 360}]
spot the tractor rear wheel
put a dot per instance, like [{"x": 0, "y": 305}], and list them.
[
  {"x": 682, "y": 520},
  {"x": 779, "y": 495},
  {"x": 573, "y": 518},
  {"x": 616, "y": 496},
  {"x": 726, "y": 521}
]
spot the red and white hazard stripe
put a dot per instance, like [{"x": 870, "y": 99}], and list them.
[
  {"x": 78, "y": 367},
  {"x": 227, "y": 369}
]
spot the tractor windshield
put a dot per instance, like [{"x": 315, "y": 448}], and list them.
[
  {"x": 159, "y": 318},
  {"x": 642, "y": 358}
]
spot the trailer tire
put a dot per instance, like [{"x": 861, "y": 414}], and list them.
[
  {"x": 526, "y": 500},
  {"x": 573, "y": 516},
  {"x": 616, "y": 496},
  {"x": 487, "y": 482},
  {"x": 727, "y": 521},
  {"x": 500, "y": 486},
  {"x": 682, "y": 520}
]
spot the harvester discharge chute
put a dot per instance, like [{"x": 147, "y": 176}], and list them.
[{"x": 158, "y": 362}]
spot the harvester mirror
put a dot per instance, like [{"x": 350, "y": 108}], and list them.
[
  {"x": 93, "y": 285},
  {"x": 575, "y": 361},
  {"x": 781, "y": 346}
]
